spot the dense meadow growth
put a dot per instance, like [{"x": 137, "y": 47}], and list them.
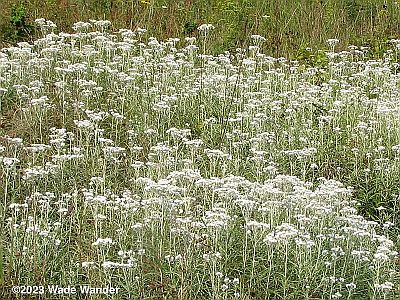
[{"x": 170, "y": 173}]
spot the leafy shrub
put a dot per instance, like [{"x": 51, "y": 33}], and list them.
[{"x": 18, "y": 28}]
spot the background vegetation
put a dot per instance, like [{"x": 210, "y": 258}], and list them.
[{"x": 289, "y": 26}]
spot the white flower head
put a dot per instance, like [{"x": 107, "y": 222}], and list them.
[
  {"x": 332, "y": 42},
  {"x": 205, "y": 27},
  {"x": 258, "y": 39}
]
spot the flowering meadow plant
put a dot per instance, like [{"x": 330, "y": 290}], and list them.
[{"x": 170, "y": 173}]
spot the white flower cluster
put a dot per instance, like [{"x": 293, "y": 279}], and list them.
[
  {"x": 103, "y": 242},
  {"x": 205, "y": 27}
]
